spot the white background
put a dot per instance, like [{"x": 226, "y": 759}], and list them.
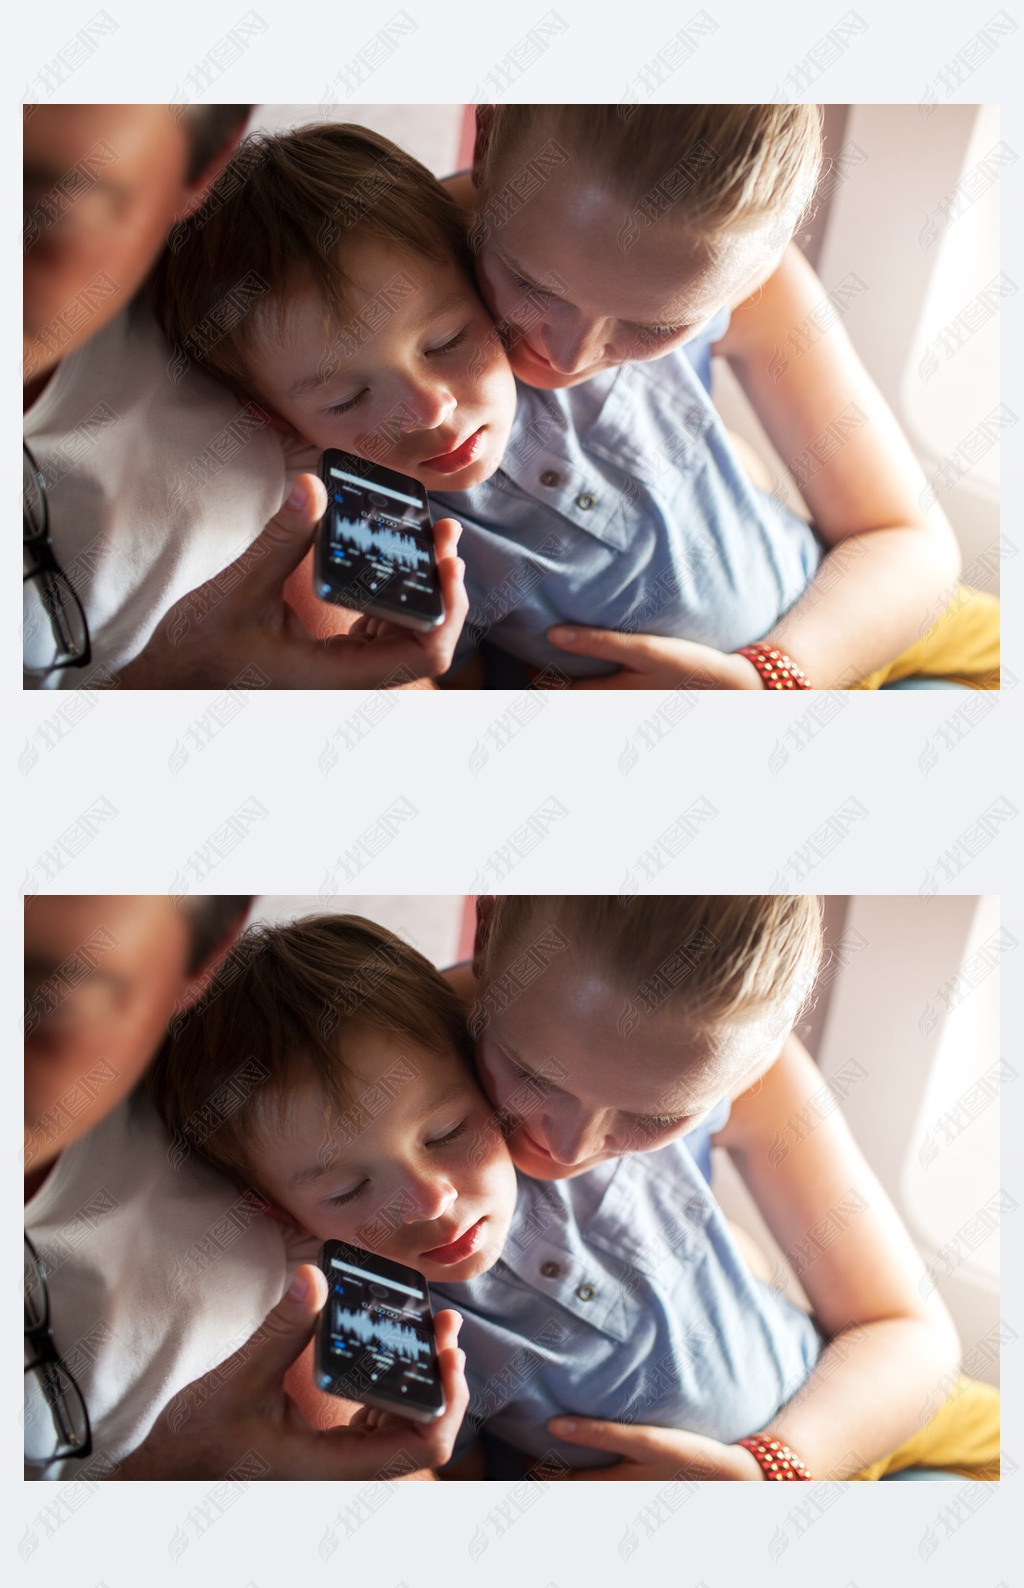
[{"x": 466, "y": 816}]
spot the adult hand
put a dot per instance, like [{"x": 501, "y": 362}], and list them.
[
  {"x": 648, "y": 661},
  {"x": 650, "y": 1453},
  {"x": 238, "y": 627},
  {"x": 239, "y": 1421}
]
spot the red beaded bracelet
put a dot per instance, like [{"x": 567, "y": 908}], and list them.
[
  {"x": 778, "y": 671},
  {"x": 776, "y": 1460}
]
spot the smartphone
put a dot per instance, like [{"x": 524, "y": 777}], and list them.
[
  {"x": 374, "y": 546},
  {"x": 375, "y": 1336}
]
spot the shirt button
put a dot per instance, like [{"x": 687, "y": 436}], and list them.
[
  {"x": 549, "y": 477},
  {"x": 585, "y": 1292},
  {"x": 585, "y": 500},
  {"x": 550, "y": 1270}
]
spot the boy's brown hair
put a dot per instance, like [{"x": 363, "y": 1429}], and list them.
[
  {"x": 281, "y": 1009},
  {"x": 278, "y": 218},
  {"x": 725, "y": 166},
  {"x": 723, "y": 956}
]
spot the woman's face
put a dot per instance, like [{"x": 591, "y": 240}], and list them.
[
  {"x": 580, "y": 1070},
  {"x": 580, "y": 280}
]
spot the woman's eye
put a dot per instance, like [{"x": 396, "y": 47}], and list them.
[
  {"x": 349, "y": 1196},
  {"x": 343, "y": 408},
  {"x": 528, "y": 286},
  {"x": 538, "y": 1082}
]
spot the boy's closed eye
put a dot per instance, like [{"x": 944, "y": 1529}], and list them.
[
  {"x": 431, "y": 352},
  {"x": 342, "y": 1197}
]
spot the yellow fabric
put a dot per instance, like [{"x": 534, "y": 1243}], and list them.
[
  {"x": 962, "y": 647},
  {"x": 962, "y": 1437}
]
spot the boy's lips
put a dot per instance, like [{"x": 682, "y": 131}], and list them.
[
  {"x": 451, "y": 462},
  {"x": 455, "y": 1251}
]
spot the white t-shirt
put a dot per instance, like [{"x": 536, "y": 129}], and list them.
[
  {"x": 157, "y": 477},
  {"x": 156, "y": 1271}
]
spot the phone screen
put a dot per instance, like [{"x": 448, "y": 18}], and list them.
[
  {"x": 379, "y": 548},
  {"x": 379, "y": 1335}
]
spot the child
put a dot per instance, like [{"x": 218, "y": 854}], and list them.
[
  {"x": 364, "y": 1122},
  {"x": 609, "y": 234},
  {"x": 330, "y": 279},
  {"x": 351, "y": 333},
  {"x": 611, "y": 1027},
  {"x": 366, "y": 1125}
]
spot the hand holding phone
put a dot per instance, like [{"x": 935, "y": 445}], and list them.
[
  {"x": 244, "y": 1405},
  {"x": 375, "y": 1335},
  {"x": 375, "y": 545}
]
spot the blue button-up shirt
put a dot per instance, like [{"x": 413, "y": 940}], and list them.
[
  {"x": 620, "y": 1294},
  {"x": 620, "y": 504}
]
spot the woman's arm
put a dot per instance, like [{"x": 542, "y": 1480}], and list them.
[
  {"x": 892, "y": 564},
  {"x": 890, "y": 1347}
]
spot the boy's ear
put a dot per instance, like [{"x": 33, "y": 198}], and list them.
[
  {"x": 484, "y": 124},
  {"x": 484, "y": 912},
  {"x": 271, "y": 418}
]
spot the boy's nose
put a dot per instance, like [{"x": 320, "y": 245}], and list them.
[
  {"x": 426, "y": 408},
  {"x": 426, "y": 1198}
]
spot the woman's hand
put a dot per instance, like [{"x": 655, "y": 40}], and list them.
[
  {"x": 652, "y": 662},
  {"x": 656, "y": 1453}
]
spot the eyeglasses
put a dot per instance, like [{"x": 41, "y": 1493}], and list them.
[
  {"x": 56, "y": 1419},
  {"x": 55, "y": 631}
]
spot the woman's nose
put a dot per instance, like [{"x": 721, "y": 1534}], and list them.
[
  {"x": 572, "y": 343},
  {"x": 572, "y": 1137}
]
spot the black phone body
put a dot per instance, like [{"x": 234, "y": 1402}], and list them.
[
  {"x": 374, "y": 547},
  {"x": 375, "y": 1335}
]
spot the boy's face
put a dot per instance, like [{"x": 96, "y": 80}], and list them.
[
  {"x": 415, "y": 379},
  {"x": 580, "y": 281},
  {"x": 413, "y": 1169},
  {"x": 579, "y": 1073}
]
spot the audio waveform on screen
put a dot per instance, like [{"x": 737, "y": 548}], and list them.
[
  {"x": 384, "y": 1334},
  {"x": 385, "y": 543}
]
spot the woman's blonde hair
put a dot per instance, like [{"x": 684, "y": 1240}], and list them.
[
  {"x": 726, "y": 166},
  {"x": 725, "y": 956}
]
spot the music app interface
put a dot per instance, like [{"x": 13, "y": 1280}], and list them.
[
  {"x": 381, "y": 1334},
  {"x": 380, "y": 542}
]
